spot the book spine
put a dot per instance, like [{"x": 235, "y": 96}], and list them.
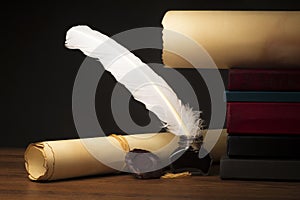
[
  {"x": 271, "y": 169},
  {"x": 263, "y": 118},
  {"x": 258, "y": 96},
  {"x": 263, "y": 146},
  {"x": 264, "y": 79}
]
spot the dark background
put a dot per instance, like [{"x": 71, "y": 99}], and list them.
[{"x": 38, "y": 72}]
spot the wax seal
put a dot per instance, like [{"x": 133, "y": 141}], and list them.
[{"x": 143, "y": 164}]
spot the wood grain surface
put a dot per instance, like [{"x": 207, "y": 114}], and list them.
[{"x": 15, "y": 185}]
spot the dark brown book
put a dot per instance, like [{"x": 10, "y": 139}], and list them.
[
  {"x": 260, "y": 169},
  {"x": 264, "y": 146}
]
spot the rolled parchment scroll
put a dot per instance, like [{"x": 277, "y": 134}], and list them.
[
  {"x": 53, "y": 160},
  {"x": 233, "y": 38}
]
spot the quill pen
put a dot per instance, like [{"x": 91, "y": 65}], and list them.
[{"x": 144, "y": 84}]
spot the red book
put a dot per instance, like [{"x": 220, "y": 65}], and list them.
[
  {"x": 263, "y": 118},
  {"x": 264, "y": 79}
]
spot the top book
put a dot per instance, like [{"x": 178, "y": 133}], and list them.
[
  {"x": 264, "y": 79},
  {"x": 248, "y": 39}
]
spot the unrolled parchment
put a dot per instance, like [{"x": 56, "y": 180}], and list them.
[{"x": 232, "y": 38}]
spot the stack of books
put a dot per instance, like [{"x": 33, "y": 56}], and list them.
[{"x": 263, "y": 124}]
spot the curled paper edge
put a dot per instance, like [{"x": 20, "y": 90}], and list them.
[{"x": 39, "y": 161}]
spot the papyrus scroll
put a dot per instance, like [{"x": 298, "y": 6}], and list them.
[
  {"x": 234, "y": 38},
  {"x": 53, "y": 160}
]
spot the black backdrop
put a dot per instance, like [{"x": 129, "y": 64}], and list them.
[{"x": 38, "y": 72}]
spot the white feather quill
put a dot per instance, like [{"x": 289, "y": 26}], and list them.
[{"x": 143, "y": 83}]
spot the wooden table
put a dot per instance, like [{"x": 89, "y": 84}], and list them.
[{"x": 15, "y": 185}]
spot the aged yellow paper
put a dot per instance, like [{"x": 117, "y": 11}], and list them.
[
  {"x": 233, "y": 38},
  {"x": 53, "y": 160}
]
